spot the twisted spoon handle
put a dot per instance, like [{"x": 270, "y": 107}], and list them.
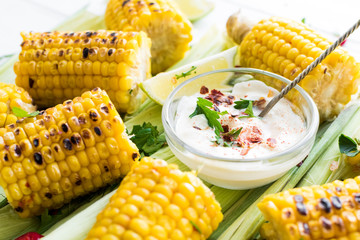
[{"x": 308, "y": 69}]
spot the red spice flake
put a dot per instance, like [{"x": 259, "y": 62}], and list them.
[
  {"x": 260, "y": 103},
  {"x": 343, "y": 43},
  {"x": 204, "y": 90},
  {"x": 271, "y": 142},
  {"x": 216, "y": 97},
  {"x": 250, "y": 135},
  {"x": 196, "y": 127},
  {"x": 244, "y": 151},
  {"x": 225, "y": 128}
]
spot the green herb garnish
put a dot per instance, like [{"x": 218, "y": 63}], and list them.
[
  {"x": 195, "y": 226},
  {"x": 348, "y": 146},
  {"x": 203, "y": 107},
  {"x": 147, "y": 138},
  {"x": 244, "y": 103},
  {"x": 303, "y": 20},
  {"x": 235, "y": 133},
  {"x": 185, "y": 74},
  {"x": 22, "y": 113},
  {"x": 248, "y": 110}
]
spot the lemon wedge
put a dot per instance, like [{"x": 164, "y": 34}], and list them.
[
  {"x": 195, "y": 9},
  {"x": 160, "y": 86}
]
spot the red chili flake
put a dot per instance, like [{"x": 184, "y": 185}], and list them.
[
  {"x": 343, "y": 43},
  {"x": 225, "y": 128},
  {"x": 271, "y": 142},
  {"x": 204, "y": 90},
  {"x": 216, "y": 97},
  {"x": 30, "y": 236}
]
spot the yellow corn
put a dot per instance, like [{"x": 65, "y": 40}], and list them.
[
  {"x": 66, "y": 151},
  {"x": 158, "y": 201},
  {"x": 330, "y": 211},
  {"x": 168, "y": 29},
  {"x": 57, "y": 66},
  {"x": 287, "y": 47},
  {"x": 13, "y": 96}
]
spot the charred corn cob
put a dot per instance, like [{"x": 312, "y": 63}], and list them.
[
  {"x": 330, "y": 211},
  {"x": 287, "y": 47},
  {"x": 66, "y": 151},
  {"x": 158, "y": 201},
  {"x": 54, "y": 67},
  {"x": 168, "y": 29},
  {"x": 13, "y": 96}
]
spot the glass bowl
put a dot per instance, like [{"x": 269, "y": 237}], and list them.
[{"x": 240, "y": 173}]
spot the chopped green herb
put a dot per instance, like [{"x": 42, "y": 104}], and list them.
[
  {"x": 235, "y": 133},
  {"x": 303, "y": 20},
  {"x": 185, "y": 74},
  {"x": 203, "y": 107},
  {"x": 249, "y": 111},
  {"x": 196, "y": 227},
  {"x": 131, "y": 90},
  {"x": 147, "y": 138},
  {"x": 22, "y": 113},
  {"x": 244, "y": 103},
  {"x": 348, "y": 146}
]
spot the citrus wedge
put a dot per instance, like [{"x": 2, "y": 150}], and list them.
[
  {"x": 195, "y": 9},
  {"x": 160, "y": 86}
]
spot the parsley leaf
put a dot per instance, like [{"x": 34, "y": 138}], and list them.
[
  {"x": 147, "y": 138},
  {"x": 235, "y": 132},
  {"x": 249, "y": 111},
  {"x": 195, "y": 226},
  {"x": 22, "y": 113},
  {"x": 348, "y": 146},
  {"x": 185, "y": 74},
  {"x": 303, "y": 20},
  {"x": 203, "y": 107},
  {"x": 244, "y": 103}
]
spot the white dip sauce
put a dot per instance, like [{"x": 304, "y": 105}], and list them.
[{"x": 278, "y": 130}]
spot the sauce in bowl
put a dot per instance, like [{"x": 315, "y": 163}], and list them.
[{"x": 242, "y": 134}]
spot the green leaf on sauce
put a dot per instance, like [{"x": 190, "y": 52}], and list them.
[
  {"x": 22, "y": 113},
  {"x": 203, "y": 107},
  {"x": 244, "y": 103},
  {"x": 348, "y": 146},
  {"x": 249, "y": 111}
]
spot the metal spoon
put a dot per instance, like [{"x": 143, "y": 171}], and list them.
[{"x": 308, "y": 69}]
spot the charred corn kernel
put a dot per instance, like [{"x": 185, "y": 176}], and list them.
[
  {"x": 287, "y": 47},
  {"x": 168, "y": 29},
  {"x": 144, "y": 207},
  {"x": 83, "y": 61},
  {"x": 329, "y": 211},
  {"x": 55, "y": 157},
  {"x": 13, "y": 96}
]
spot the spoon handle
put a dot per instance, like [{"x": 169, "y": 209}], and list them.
[{"x": 308, "y": 69}]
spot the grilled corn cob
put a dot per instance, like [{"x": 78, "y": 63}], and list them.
[
  {"x": 13, "y": 96},
  {"x": 158, "y": 201},
  {"x": 66, "y": 151},
  {"x": 287, "y": 47},
  {"x": 168, "y": 29},
  {"x": 54, "y": 67},
  {"x": 330, "y": 211}
]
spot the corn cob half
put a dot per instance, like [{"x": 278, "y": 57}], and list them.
[
  {"x": 66, "y": 151},
  {"x": 158, "y": 201},
  {"x": 57, "y": 66},
  {"x": 287, "y": 47},
  {"x": 13, "y": 96},
  {"x": 330, "y": 211},
  {"x": 168, "y": 29}
]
